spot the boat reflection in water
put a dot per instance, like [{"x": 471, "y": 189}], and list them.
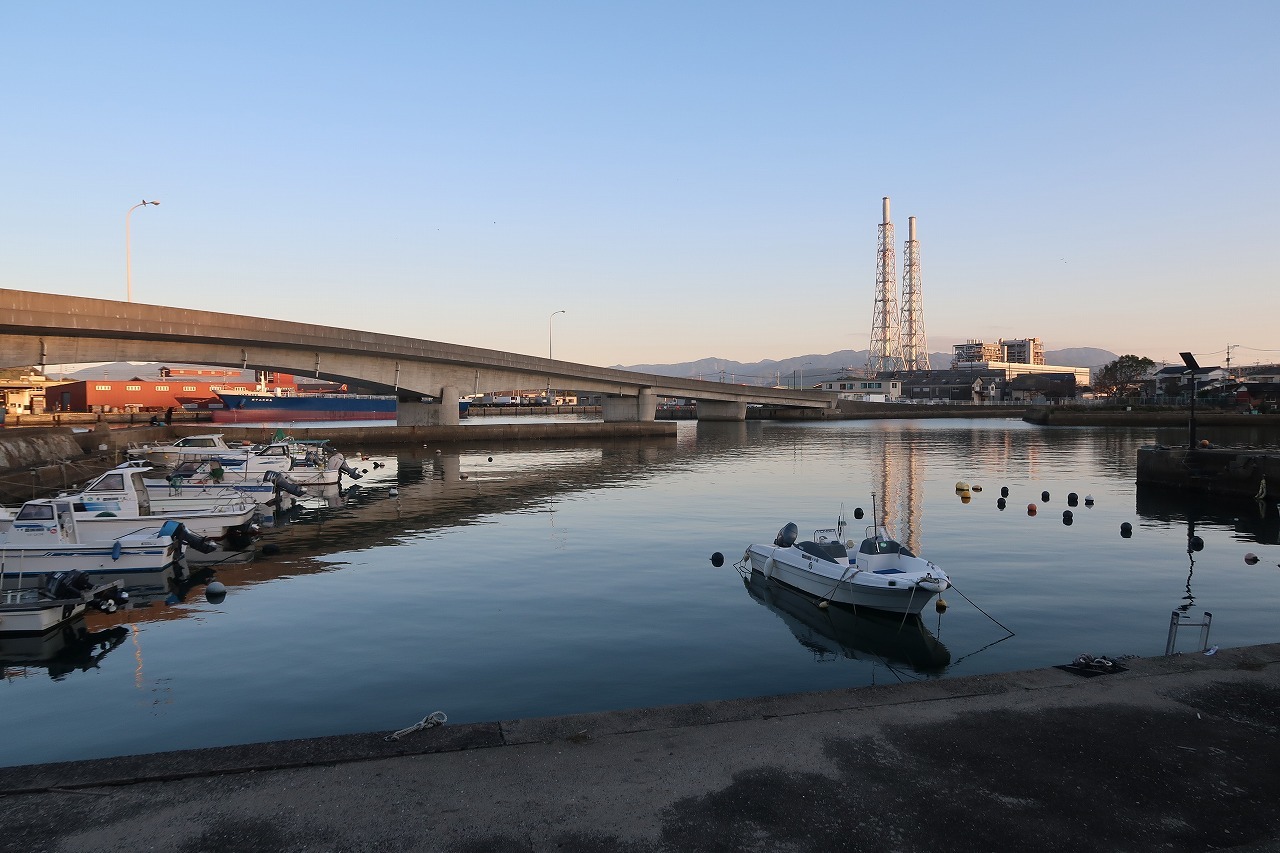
[
  {"x": 70, "y": 648},
  {"x": 861, "y": 634}
]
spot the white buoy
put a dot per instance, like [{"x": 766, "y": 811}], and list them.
[{"x": 393, "y": 492}]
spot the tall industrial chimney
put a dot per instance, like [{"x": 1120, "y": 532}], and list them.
[
  {"x": 915, "y": 349},
  {"x": 885, "y": 353}
]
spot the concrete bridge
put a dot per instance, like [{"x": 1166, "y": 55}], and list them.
[{"x": 42, "y": 328}]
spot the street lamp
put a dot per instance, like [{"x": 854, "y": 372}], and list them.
[
  {"x": 128, "y": 258},
  {"x": 549, "y": 319},
  {"x": 1192, "y": 366},
  {"x": 553, "y": 314}
]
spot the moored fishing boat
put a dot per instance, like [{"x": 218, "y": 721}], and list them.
[
  {"x": 52, "y": 542},
  {"x": 880, "y": 573},
  {"x": 58, "y": 598}
]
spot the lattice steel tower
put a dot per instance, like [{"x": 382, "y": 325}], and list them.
[
  {"x": 915, "y": 350},
  {"x": 886, "y": 352}
]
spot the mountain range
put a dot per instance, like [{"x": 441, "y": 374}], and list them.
[{"x": 819, "y": 368}]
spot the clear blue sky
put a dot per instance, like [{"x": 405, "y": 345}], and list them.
[{"x": 685, "y": 179}]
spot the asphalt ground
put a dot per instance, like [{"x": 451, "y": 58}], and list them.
[{"x": 1177, "y": 753}]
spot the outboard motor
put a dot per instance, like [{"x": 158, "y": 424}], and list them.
[
  {"x": 203, "y": 544},
  {"x": 787, "y": 535},
  {"x": 338, "y": 462},
  {"x": 179, "y": 533},
  {"x": 283, "y": 483},
  {"x": 70, "y": 583}
]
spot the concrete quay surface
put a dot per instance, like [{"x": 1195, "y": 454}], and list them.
[{"x": 1176, "y": 753}]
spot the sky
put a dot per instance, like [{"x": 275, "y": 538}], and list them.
[{"x": 683, "y": 180}]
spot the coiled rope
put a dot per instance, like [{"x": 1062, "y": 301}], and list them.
[{"x": 435, "y": 718}]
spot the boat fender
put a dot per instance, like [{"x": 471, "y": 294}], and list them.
[
  {"x": 116, "y": 550},
  {"x": 768, "y": 567}
]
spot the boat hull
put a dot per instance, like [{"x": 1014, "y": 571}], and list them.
[
  {"x": 310, "y": 407},
  {"x": 24, "y": 613},
  {"x": 305, "y": 407},
  {"x": 835, "y": 582},
  {"x": 103, "y": 563}
]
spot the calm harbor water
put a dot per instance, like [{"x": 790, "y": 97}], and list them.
[{"x": 535, "y": 579}]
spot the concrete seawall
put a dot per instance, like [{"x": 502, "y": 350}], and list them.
[
  {"x": 1055, "y": 416},
  {"x": 1170, "y": 753},
  {"x": 345, "y": 438}
]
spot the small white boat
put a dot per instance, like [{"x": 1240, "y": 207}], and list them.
[
  {"x": 210, "y": 446},
  {"x": 48, "y": 539},
  {"x": 879, "y": 573},
  {"x": 119, "y": 502},
  {"x": 194, "y": 481},
  {"x": 60, "y": 597}
]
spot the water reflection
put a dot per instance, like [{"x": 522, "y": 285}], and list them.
[
  {"x": 1252, "y": 521},
  {"x": 834, "y": 632},
  {"x": 70, "y": 648}
]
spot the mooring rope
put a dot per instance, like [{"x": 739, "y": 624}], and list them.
[{"x": 435, "y": 718}]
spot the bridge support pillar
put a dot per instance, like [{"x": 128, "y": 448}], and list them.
[
  {"x": 721, "y": 410},
  {"x": 418, "y": 413},
  {"x": 623, "y": 409}
]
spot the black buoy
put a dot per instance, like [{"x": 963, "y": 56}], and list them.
[
  {"x": 1195, "y": 543},
  {"x": 1004, "y": 491},
  {"x": 1067, "y": 517},
  {"x": 717, "y": 559},
  {"x": 1126, "y": 530},
  {"x": 1044, "y": 496},
  {"x": 857, "y": 512},
  {"x": 1000, "y": 502},
  {"x": 490, "y": 458},
  {"x": 1073, "y": 499}
]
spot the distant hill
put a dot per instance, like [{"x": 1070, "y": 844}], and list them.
[
  {"x": 1080, "y": 357},
  {"x": 125, "y": 370},
  {"x": 808, "y": 369}
]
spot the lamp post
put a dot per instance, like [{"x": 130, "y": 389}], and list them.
[
  {"x": 128, "y": 257},
  {"x": 549, "y": 319},
  {"x": 1192, "y": 366}
]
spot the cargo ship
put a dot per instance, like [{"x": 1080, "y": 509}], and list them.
[{"x": 254, "y": 406}]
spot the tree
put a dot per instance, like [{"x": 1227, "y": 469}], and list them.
[{"x": 1122, "y": 377}]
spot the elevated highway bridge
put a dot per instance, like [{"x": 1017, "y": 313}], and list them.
[{"x": 42, "y": 328}]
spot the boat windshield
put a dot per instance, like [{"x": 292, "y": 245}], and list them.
[{"x": 881, "y": 546}]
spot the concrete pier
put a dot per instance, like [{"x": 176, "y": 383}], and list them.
[
  {"x": 1229, "y": 471},
  {"x": 1177, "y": 753}
]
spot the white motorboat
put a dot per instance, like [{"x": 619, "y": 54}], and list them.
[
  {"x": 119, "y": 502},
  {"x": 246, "y": 466},
  {"x": 191, "y": 447},
  {"x": 880, "y": 573},
  {"x": 53, "y": 542},
  {"x": 60, "y": 597},
  {"x": 195, "y": 482}
]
